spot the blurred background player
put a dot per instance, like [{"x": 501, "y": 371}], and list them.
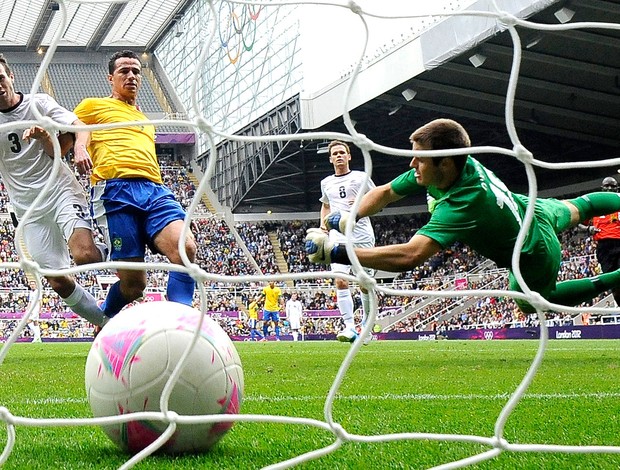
[
  {"x": 294, "y": 312},
  {"x": 338, "y": 192},
  {"x": 253, "y": 320},
  {"x": 271, "y": 311},
  {"x": 34, "y": 302},
  {"x": 606, "y": 233},
  {"x": 61, "y": 219},
  {"x": 129, "y": 201}
]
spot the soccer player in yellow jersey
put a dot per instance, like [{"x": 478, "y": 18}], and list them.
[
  {"x": 271, "y": 310},
  {"x": 253, "y": 320},
  {"x": 131, "y": 205}
]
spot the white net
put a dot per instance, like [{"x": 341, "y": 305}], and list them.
[{"x": 496, "y": 444}]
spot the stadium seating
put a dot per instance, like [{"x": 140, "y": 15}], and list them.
[{"x": 220, "y": 253}]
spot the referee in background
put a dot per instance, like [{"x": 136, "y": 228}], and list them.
[{"x": 606, "y": 233}]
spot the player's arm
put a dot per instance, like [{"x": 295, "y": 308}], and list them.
[
  {"x": 393, "y": 258},
  {"x": 82, "y": 159},
  {"x": 376, "y": 199},
  {"x": 325, "y": 210},
  {"x": 588, "y": 228},
  {"x": 43, "y": 136},
  {"x": 372, "y": 202},
  {"x": 401, "y": 257}
]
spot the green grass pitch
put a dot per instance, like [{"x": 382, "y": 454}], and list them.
[{"x": 392, "y": 386}]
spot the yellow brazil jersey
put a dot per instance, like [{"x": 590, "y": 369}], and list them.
[
  {"x": 253, "y": 310},
  {"x": 271, "y": 298},
  {"x": 124, "y": 152}
]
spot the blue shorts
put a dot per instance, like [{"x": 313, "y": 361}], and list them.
[
  {"x": 252, "y": 323},
  {"x": 131, "y": 212},
  {"x": 274, "y": 316}
]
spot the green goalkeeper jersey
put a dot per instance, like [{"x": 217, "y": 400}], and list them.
[{"x": 481, "y": 212}]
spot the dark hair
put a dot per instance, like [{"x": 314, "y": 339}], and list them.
[
  {"x": 5, "y": 63},
  {"x": 442, "y": 134},
  {"x": 333, "y": 143},
  {"x": 119, "y": 55}
]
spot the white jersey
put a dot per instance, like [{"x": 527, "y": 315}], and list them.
[
  {"x": 339, "y": 191},
  {"x": 293, "y": 313},
  {"x": 24, "y": 166}
]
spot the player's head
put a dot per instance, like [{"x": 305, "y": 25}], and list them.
[
  {"x": 5, "y": 65},
  {"x": 609, "y": 184},
  {"x": 294, "y": 296},
  {"x": 339, "y": 156},
  {"x": 125, "y": 75},
  {"x": 442, "y": 134},
  {"x": 272, "y": 284},
  {"x": 8, "y": 97},
  {"x": 439, "y": 134}
]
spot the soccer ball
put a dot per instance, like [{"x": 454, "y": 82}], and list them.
[{"x": 131, "y": 360}]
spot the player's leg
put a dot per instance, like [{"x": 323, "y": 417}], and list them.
[
  {"x": 36, "y": 331},
  {"x": 590, "y": 205},
  {"x": 129, "y": 287},
  {"x": 345, "y": 303},
  {"x": 540, "y": 270},
  {"x": 294, "y": 322},
  {"x": 253, "y": 331},
  {"x": 276, "y": 322},
  {"x": 576, "y": 291},
  {"x": 181, "y": 286},
  {"x": 608, "y": 256},
  {"x": 344, "y": 299},
  {"x": 77, "y": 299},
  {"x": 572, "y": 292},
  {"x": 47, "y": 246},
  {"x": 365, "y": 298},
  {"x": 364, "y": 295},
  {"x": 256, "y": 330},
  {"x": 266, "y": 321},
  {"x": 83, "y": 247},
  {"x": 164, "y": 226},
  {"x": 72, "y": 216}
]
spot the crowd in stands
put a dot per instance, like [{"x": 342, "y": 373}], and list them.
[{"x": 219, "y": 253}]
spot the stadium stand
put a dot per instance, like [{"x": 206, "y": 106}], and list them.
[{"x": 72, "y": 82}]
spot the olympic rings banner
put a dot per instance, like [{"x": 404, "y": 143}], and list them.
[{"x": 237, "y": 29}]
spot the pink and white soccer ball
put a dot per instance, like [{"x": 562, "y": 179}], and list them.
[{"x": 131, "y": 360}]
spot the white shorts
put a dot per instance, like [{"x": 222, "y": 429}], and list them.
[
  {"x": 337, "y": 237},
  {"x": 35, "y": 315},
  {"x": 295, "y": 322},
  {"x": 46, "y": 237}
]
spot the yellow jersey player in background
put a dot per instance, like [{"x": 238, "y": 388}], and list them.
[
  {"x": 271, "y": 311},
  {"x": 253, "y": 320},
  {"x": 131, "y": 205}
]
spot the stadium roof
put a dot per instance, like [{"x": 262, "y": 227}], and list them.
[
  {"x": 567, "y": 109},
  {"x": 567, "y": 105},
  {"x": 137, "y": 24}
]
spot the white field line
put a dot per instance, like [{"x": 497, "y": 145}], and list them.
[{"x": 382, "y": 397}]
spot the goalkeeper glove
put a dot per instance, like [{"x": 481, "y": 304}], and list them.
[
  {"x": 336, "y": 220},
  {"x": 321, "y": 251}
]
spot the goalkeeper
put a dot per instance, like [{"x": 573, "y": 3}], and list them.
[{"x": 473, "y": 206}]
